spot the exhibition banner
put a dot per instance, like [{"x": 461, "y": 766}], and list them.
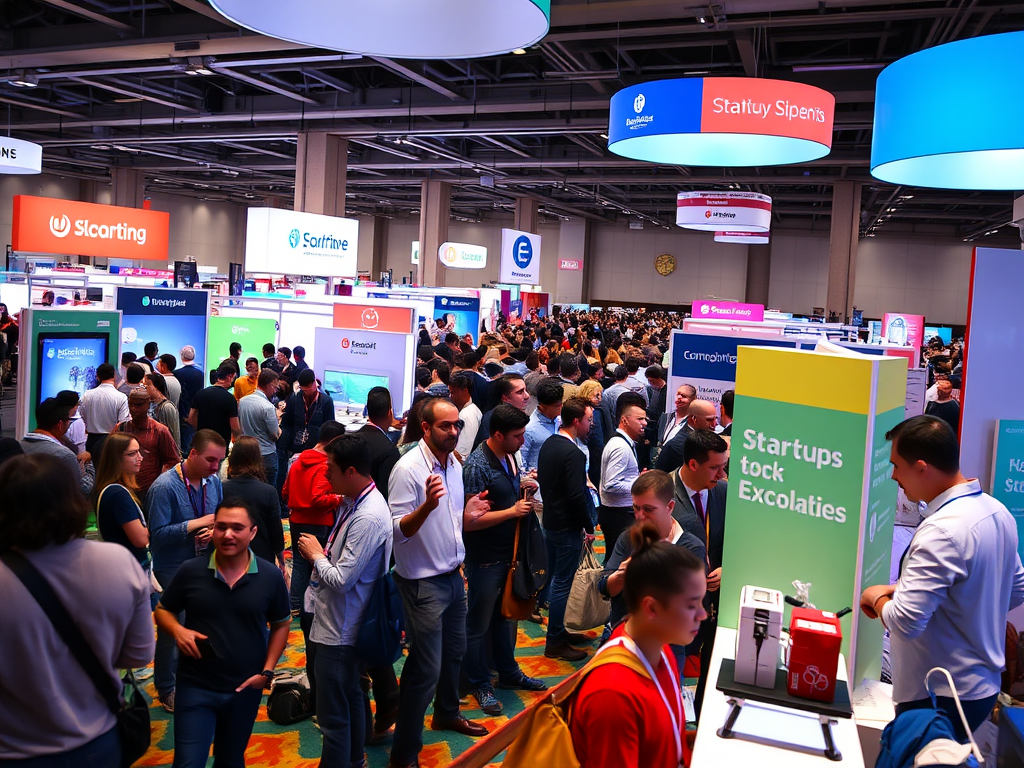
[
  {"x": 61, "y": 349},
  {"x": 903, "y": 330},
  {"x": 171, "y": 317},
  {"x": 1008, "y": 471},
  {"x": 461, "y": 312},
  {"x": 570, "y": 264},
  {"x": 281, "y": 242},
  {"x": 520, "y": 257},
  {"x": 810, "y": 498},
  {"x": 350, "y": 363},
  {"x": 20, "y": 157},
  {"x": 713, "y": 211},
  {"x": 728, "y": 310},
  {"x": 462, "y": 256},
  {"x": 49, "y": 225},
  {"x": 372, "y": 317},
  {"x": 251, "y": 332}
]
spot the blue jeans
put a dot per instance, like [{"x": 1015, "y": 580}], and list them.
[
  {"x": 339, "y": 707},
  {"x": 301, "y": 567},
  {"x": 435, "y": 628},
  {"x": 102, "y": 752},
  {"x": 565, "y": 548},
  {"x": 270, "y": 464},
  {"x": 976, "y": 712},
  {"x": 187, "y": 433},
  {"x": 486, "y": 584},
  {"x": 203, "y": 717},
  {"x": 165, "y": 658}
]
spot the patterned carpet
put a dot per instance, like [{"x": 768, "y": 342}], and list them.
[{"x": 298, "y": 745}]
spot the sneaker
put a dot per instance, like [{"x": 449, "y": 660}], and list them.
[
  {"x": 564, "y": 651},
  {"x": 167, "y": 702},
  {"x": 488, "y": 702},
  {"x": 524, "y": 683}
]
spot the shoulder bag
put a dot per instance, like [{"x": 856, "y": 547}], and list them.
[{"x": 512, "y": 605}]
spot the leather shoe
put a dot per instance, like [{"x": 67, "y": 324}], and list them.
[
  {"x": 460, "y": 725},
  {"x": 564, "y": 651},
  {"x": 578, "y": 638}
]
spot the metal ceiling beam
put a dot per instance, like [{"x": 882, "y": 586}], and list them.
[
  {"x": 258, "y": 83},
  {"x": 322, "y": 77},
  {"x": 26, "y": 104},
  {"x": 744, "y": 39},
  {"x": 417, "y": 77},
  {"x": 135, "y": 94},
  {"x": 85, "y": 13}
]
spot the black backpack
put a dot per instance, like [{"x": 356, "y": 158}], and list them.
[
  {"x": 532, "y": 572},
  {"x": 289, "y": 700}
]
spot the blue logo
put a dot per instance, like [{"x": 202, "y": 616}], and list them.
[
  {"x": 522, "y": 252},
  {"x": 293, "y": 238},
  {"x": 145, "y": 301}
]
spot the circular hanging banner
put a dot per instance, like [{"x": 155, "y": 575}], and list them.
[
  {"x": 721, "y": 121},
  {"x": 20, "y": 157},
  {"x": 462, "y": 256},
  {"x": 748, "y": 238},
  {"x": 404, "y": 29},
  {"x": 710, "y": 211}
]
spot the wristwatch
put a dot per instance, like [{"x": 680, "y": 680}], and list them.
[{"x": 269, "y": 675}]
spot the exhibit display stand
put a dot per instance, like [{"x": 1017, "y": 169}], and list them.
[
  {"x": 810, "y": 497},
  {"x": 350, "y": 363},
  {"x": 251, "y": 332},
  {"x": 171, "y": 317},
  {"x": 61, "y": 349}
]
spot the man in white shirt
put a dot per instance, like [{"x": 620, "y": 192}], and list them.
[
  {"x": 620, "y": 469},
  {"x": 428, "y": 506},
  {"x": 102, "y": 408},
  {"x": 958, "y": 580},
  {"x": 461, "y": 387}
]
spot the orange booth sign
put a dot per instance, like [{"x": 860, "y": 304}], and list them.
[
  {"x": 370, "y": 317},
  {"x": 49, "y": 225}
]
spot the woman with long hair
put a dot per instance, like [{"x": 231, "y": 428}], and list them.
[
  {"x": 413, "y": 426},
  {"x": 247, "y": 480},
  {"x": 632, "y": 714},
  {"x": 116, "y": 499},
  {"x": 163, "y": 409}
]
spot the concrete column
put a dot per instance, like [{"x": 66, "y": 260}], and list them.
[
  {"x": 129, "y": 187},
  {"x": 588, "y": 262},
  {"x": 379, "y": 259},
  {"x": 321, "y": 168},
  {"x": 572, "y": 242},
  {"x": 759, "y": 272},
  {"x": 842, "y": 248},
  {"x": 435, "y": 215},
  {"x": 527, "y": 216}
]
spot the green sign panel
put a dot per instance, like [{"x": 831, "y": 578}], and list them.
[
  {"x": 1008, "y": 472},
  {"x": 251, "y": 332}
]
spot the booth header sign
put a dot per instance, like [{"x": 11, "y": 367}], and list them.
[
  {"x": 714, "y": 211},
  {"x": 48, "y": 225},
  {"x": 369, "y": 317},
  {"x": 284, "y": 242},
  {"x": 20, "y": 157},
  {"x": 462, "y": 256},
  {"x": 728, "y": 310},
  {"x": 520, "y": 257}
]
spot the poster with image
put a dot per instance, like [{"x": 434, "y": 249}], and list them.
[
  {"x": 68, "y": 361},
  {"x": 461, "y": 311},
  {"x": 172, "y": 318}
]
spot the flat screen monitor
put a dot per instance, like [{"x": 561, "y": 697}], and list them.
[
  {"x": 931, "y": 331},
  {"x": 69, "y": 361},
  {"x": 858, "y": 318},
  {"x": 349, "y": 390},
  {"x": 876, "y": 331}
]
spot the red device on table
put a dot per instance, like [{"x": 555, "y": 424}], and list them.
[{"x": 815, "y": 638}]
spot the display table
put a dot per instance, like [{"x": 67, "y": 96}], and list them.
[{"x": 766, "y": 735}]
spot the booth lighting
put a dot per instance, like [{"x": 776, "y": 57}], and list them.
[
  {"x": 409, "y": 29},
  {"x": 721, "y": 121},
  {"x": 746, "y": 238},
  {"x": 949, "y": 117},
  {"x": 711, "y": 211},
  {"x": 28, "y": 80}
]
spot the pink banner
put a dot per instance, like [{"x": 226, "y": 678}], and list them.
[
  {"x": 570, "y": 264},
  {"x": 728, "y": 310},
  {"x": 903, "y": 330}
]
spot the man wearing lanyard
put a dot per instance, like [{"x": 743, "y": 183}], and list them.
[
  {"x": 345, "y": 571},
  {"x": 619, "y": 468},
  {"x": 700, "y": 493},
  {"x": 179, "y": 507},
  {"x": 428, "y": 508},
  {"x": 306, "y": 410},
  {"x": 383, "y": 453}
]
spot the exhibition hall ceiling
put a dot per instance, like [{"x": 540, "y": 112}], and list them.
[{"x": 212, "y": 111}]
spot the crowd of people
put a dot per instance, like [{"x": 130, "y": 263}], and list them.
[{"x": 564, "y": 425}]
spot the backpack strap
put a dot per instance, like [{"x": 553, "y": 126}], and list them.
[{"x": 614, "y": 654}]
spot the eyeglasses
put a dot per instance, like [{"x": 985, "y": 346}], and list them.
[{"x": 448, "y": 426}]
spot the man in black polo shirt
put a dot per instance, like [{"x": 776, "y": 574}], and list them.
[
  {"x": 490, "y": 543},
  {"x": 216, "y": 408},
  {"x": 226, "y": 660}
]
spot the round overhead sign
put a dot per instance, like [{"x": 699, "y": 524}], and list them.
[
  {"x": 722, "y": 121},
  {"x": 950, "y": 117},
  {"x": 711, "y": 211},
  {"x": 20, "y": 157},
  {"x": 462, "y": 256},
  {"x": 406, "y": 29},
  {"x": 748, "y": 238}
]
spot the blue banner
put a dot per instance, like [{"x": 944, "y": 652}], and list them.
[
  {"x": 170, "y": 317},
  {"x": 461, "y": 312}
]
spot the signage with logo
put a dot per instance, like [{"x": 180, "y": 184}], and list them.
[
  {"x": 742, "y": 238},
  {"x": 172, "y": 318},
  {"x": 728, "y": 310},
  {"x": 712, "y": 211},
  {"x": 520, "y": 257},
  {"x": 251, "y": 332},
  {"x": 1008, "y": 471},
  {"x": 461, "y": 314},
  {"x": 371, "y": 317},
  {"x": 163, "y": 274},
  {"x": 415, "y": 251},
  {"x": 351, "y": 362},
  {"x": 462, "y": 256},
  {"x": 294, "y": 243},
  {"x": 20, "y": 157},
  {"x": 48, "y": 225},
  {"x": 903, "y": 330},
  {"x": 571, "y": 264}
]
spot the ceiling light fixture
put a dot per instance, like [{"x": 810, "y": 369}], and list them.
[
  {"x": 409, "y": 29},
  {"x": 25, "y": 80},
  {"x": 198, "y": 66},
  {"x": 519, "y": 51}
]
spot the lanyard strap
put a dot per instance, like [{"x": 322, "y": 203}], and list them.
[
  {"x": 343, "y": 518},
  {"x": 310, "y": 409},
  {"x": 191, "y": 494}
]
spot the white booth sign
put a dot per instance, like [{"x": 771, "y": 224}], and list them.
[
  {"x": 294, "y": 243},
  {"x": 520, "y": 257},
  {"x": 350, "y": 363},
  {"x": 20, "y": 157},
  {"x": 718, "y": 211},
  {"x": 462, "y": 256}
]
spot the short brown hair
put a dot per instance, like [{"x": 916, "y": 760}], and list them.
[
  {"x": 206, "y": 437},
  {"x": 267, "y": 376},
  {"x": 657, "y": 482},
  {"x": 43, "y": 504},
  {"x": 574, "y": 409}
]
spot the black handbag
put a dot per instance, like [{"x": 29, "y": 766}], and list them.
[{"x": 129, "y": 705}]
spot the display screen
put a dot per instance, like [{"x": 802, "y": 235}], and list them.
[
  {"x": 931, "y": 331},
  {"x": 69, "y": 361},
  {"x": 171, "y": 318},
  {"x": 351, "y": 389}
]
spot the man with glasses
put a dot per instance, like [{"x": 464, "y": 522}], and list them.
[{"x": 428, "y": 507}]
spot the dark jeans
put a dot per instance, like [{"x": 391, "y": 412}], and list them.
[
  {"x": 102, "y": 752},
  {"x": 94, "y": 444},
  {"x": 384, "y": 684},
  {"x": 486, "y": 585},
  {"x": 339, "y": 706},
  {"x": 282, "y": 467},
  {"x": 976, "y": 712},
  {"x": 187, "y": 433},
  {"x": 165, "y": 658},
  {"x": 203, "y": 717},
  {"x": 565, "y": 548},
  {"x": 435, "y": 628},
  {"x": 301, "y": 567},
  {"x": 703, "y": 644},
  {"x": 613, "y": 521},
  {"x": 270, "y": 465}
]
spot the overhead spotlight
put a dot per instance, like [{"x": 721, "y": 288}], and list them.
[
  {"x": 519, "y": 51},
  {"x": 197, "y": 66},
  {"x": 25, "y": 80}
]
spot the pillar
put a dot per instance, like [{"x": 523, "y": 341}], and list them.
[
  {"x": 759, "y": 272},
  {"x": 128, "y": 187},
  {"x": 842, "y": 248},
  {"x": 588, "y": 262},
  {"x": 572, "y": 246},
  {"x": 435, "y": 215},
  {"x": 321, "y": 168},
  {"x": 379, "y": 254},
  {"x": 527, "y": 216}
]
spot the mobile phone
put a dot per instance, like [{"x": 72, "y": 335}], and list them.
[{"x": 206, "y": 650}]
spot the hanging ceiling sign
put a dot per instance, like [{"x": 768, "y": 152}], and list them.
[
  {"x": 462, "y": 256},
  {"x": 950, "y": 117},
  {"x": 721, "y": 121},
  {"x": 743, "y": 238},
  {"x": 20, "y": 157},
  {"x": 710, "y": 211},
  {"x": 405, "y": 29}
]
